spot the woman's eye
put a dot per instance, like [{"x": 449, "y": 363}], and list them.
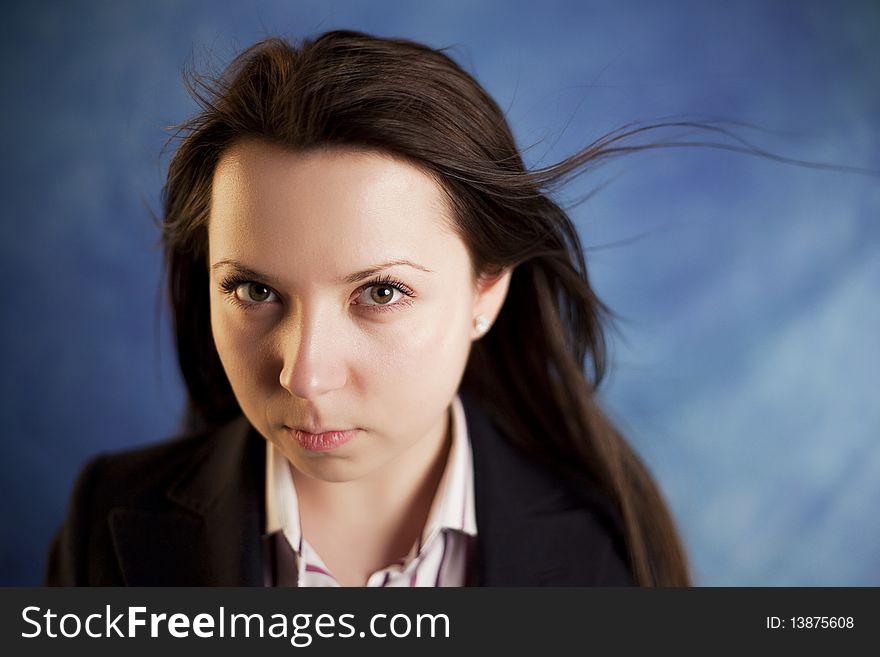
[
  {"x": 253, "y": 293},
  {"x": 380, "y": 295}
]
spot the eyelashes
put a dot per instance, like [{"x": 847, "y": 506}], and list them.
[
  {"x": 230, "y": 284},
  {"x": 407, "y": 294}
]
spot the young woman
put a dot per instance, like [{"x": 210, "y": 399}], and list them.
[{"x": 390, "y": 345}]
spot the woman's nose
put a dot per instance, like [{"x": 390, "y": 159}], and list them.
[{"x": 312, "y": 362}]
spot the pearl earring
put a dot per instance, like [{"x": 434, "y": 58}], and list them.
[{"x": 481, "y": 324}]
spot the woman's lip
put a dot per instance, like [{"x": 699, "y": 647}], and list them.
[{"x": 322, "y": 442}]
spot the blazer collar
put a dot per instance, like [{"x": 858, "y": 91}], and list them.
[
  {"x": 225, "y": 487},
  {"x": 533, "y": 527}
]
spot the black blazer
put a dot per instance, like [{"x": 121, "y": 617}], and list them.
[{"x": 192, "y": 512}]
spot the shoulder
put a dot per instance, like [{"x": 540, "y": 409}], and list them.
[
  {"x": 142, "y": 474},
  {"x": 146, "y": 476},
  {"x": 82, "y": 550}
]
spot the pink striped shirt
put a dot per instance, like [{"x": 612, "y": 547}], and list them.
[{"x": 442, "y": 554}]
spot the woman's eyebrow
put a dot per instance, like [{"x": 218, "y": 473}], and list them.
[
  {"x": 244, "y": 270},
  {"x": 366, "y": 273}
]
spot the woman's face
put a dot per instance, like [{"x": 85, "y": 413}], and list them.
[{"x": 313, "y": 326}]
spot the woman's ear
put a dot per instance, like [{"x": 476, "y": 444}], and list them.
[{"x": 491, "y": 291}]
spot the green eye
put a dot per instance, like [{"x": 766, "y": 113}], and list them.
[
  {"x": 382, "y": 294},
  {"x": 256, "y": 293}
]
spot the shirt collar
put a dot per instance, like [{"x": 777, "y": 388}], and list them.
[
  {"x": 453, "y": 504},
  {"x": 451, "y": 508}
]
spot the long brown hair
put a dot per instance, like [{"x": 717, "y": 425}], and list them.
[{"x": 536, "y": 372}]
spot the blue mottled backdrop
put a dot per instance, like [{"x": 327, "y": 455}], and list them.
[{"x": 747, "y": 370}]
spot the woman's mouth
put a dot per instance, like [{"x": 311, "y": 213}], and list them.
[{"x": 322, "y": 442}]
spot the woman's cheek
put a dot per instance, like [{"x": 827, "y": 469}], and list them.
[
  {"x": 398, "y": 349},
  {"x": 433, "y": 338},
  {"x": 236, "y": 344}
]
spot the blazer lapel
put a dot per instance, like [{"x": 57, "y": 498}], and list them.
[
  {"x": 531, "y": 528},
  {"x": 212, "y": 537}
]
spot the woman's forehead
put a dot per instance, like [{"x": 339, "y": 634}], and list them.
[{"x": 336, "y": 209}]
